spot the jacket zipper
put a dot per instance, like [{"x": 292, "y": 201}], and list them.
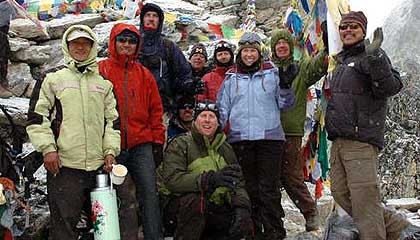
[{"x": 125, "y": 104}]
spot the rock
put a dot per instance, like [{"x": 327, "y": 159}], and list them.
[
  {"x": 224, "y": 20},
  {"x": 57, "y": 27},
  {"x": 230, "y": 10},
  {"x": 33, "y": 54},
  {"x": 25, "y": 28},
  {"x": 228, "y": 3},
  {"x": 18, "y": 43},
  {"x": 56, "y": 58},
  {"x": 265, "y": 4},
  {"x": 265, "y": 15},
  {"x": 178, "y": 6},
  {"x": 19, "y": 77},
  {"x": 411, "y": 204},
  {"x": 17, "y": 108}
]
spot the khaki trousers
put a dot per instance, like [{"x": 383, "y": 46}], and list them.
[{"x": 355, "y": 187}]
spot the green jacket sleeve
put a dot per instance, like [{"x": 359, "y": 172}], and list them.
[
  {"x": 314, "y": 68},
  {"x": 38, "y": 129},
  {"x": 176, "y": 176},
  {"x": 111, "y": 139}
]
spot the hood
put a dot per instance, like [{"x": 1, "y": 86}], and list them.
[
  {"x": 150, "y": 7},
  {"x": 90, "y": 62},
  {"x": 275, "y": 37},
  {"x": 116, "y": 30}
]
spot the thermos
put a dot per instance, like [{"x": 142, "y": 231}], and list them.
[{"x": 104, "y": 210}]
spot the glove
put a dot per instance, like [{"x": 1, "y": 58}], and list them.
[
  {"x": 324, "y": 29},
  {"x": 241, "y": 225},
  {"x": 157, "y": 149},
  {"x": 188, "y": 87},
  {"x": 372, "y": 48},
  {"x": 199, "y": 86},
  {"x": 288, "y": 75},
  {"x": 227, "y": 177}
]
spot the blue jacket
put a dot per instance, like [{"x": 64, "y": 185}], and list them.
[{"x": 252, "y": 104}]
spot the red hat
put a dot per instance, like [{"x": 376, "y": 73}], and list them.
[{"x": 355, "y": 17}]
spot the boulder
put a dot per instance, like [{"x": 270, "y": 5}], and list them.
[
  {"x": 230, "y": 10},
  {"x": 25, "y": 28},
  {"x": 411, "y": 204},
  {"x": 178, "y": 6},
  {"x": 33, "y": 54},
  {"x": 57, "y": 27},
  {"x": 19, "y": 78},
  {"x": 265, "y": 4},
  {"x": 56, "y": 58},
  {"x": 18, "y": 43},
  {"x": 224, "y": 20},
  {"x": 228, "y": 3}
]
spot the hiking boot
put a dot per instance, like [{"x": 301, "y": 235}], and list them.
[
  {"x": 312, "y": 222},
  {"x": 411, "y": 232}
]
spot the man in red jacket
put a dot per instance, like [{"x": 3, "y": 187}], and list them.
[
  {"x": 223, "y": 58},
  {"x": 140, "y": 109}
]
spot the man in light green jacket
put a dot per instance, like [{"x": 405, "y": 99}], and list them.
[{"x": 73, "y": 121}]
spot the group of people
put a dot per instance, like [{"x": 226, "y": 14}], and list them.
[{"x": 233, "y": 135}]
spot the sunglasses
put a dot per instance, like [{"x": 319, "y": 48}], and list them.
[
  {"x": 206, "y": 106},
  {"x": 187, "y": 106},
  {"x": 222, "y": 45},
  {"x": 352, "y": 26},
  {"x": 130, "y": 40}
]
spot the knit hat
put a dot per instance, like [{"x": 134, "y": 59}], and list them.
[
  {"x": 355, "y": 17},
  {"x": 207, "y": 105},
  {"x": 198, "y": 49},
  {"x": 250, "y": 40},
  {"x": 223, "y": 46},
  {"x": 150, "y": 7},
  {"x": 275, "y": 37}
]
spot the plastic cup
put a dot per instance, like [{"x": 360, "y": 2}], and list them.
[{"x": 119, "y": 172}]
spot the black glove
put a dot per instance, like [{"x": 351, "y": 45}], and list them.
[
  {"x": 288, "y": 75},
  {"x": 228, "y": 177},
  {"x": 324, "y": 29},
  {"x": 372, "y": 49},
  {"x": 188, "y": 88},
  {"x": 199, "y": 86},
  {"x": 157, "y": 149},
  {"x": 241, "y": 225}
]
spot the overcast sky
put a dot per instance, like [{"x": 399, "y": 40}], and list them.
[{"x": 376, "y": 10}]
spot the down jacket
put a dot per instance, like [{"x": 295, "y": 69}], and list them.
[{"x": 360, "y": 87}]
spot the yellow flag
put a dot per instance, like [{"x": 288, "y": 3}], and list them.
[{"x": 170, "y": 17}]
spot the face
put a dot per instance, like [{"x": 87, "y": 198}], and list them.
[
  {"x": 223, "y": 56},
  {"x": 79, "y": 48},
  {"x": 350, "y": 33},
  {"x": 206, "y": 123},
  {"x": 249, "y": 56},
  {"x": 198, "y": 61},
  {"x": 186, "y": 114},
  {"x": 282, "y": 49},
  {"x": 151, "y": 20},
  {"x": 125, "y": 45}
]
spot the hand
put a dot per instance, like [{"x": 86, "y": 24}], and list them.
[
  {"x": 52, "y": 162},
  {"x": 378, "y": 38},
  {"x": 108, "y": 161},
  {"x": 324, "y": 29},
  {"x": 157, "y": 153},
  {"x": 199, "y": 86},
  {"x": 228, "y": 177},
  {"x": 287, "y": 75},
  {"x": 241, "y": 225}
]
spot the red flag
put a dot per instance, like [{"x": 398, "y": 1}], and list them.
[
  {"x": 216, "y": 29},
  {"x": 318, "y": 189}
]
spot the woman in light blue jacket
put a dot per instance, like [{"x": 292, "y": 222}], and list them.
[{"x": 251, "y": 99}]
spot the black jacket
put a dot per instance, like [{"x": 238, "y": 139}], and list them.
[{"x": 360, "y": 86}]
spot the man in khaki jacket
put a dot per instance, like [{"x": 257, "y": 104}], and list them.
[{"x": 73, "y": 121}]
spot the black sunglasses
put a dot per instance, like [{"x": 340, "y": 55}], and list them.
[
  {"x": 123, "y": 39},
  {"x": 352, "y": 26}
]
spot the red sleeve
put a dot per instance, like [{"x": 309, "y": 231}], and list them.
[{"x": 155, "y": 110}]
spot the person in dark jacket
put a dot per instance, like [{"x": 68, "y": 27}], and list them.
[
  {"x": 205, "y": 181},
  {"x": 223, "y": 58},
  {"x": 141, "y": 113},
  {"x": 300, "y": 75},
  {"x": 198, "y": 60},
  {"x": 164, "y": 58},
  {"x": 362, "y": 81},
  {"x": 7, "y": 13},
  {"x": 181, "y": 121}
]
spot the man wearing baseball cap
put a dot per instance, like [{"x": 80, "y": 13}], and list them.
[
  {"x": 361, "y": 83},
  {"x": 73, "y": 121}
]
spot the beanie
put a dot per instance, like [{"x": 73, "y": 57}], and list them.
[
  {"x": 198, "y": 49},
  {"x": 150, "y": 7},
  {"x": 250, "y": 40},
  {"x": 355, "y": 17},
  {"x": 207, "y": 105},
  {"x": 223, "y": 46}
]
